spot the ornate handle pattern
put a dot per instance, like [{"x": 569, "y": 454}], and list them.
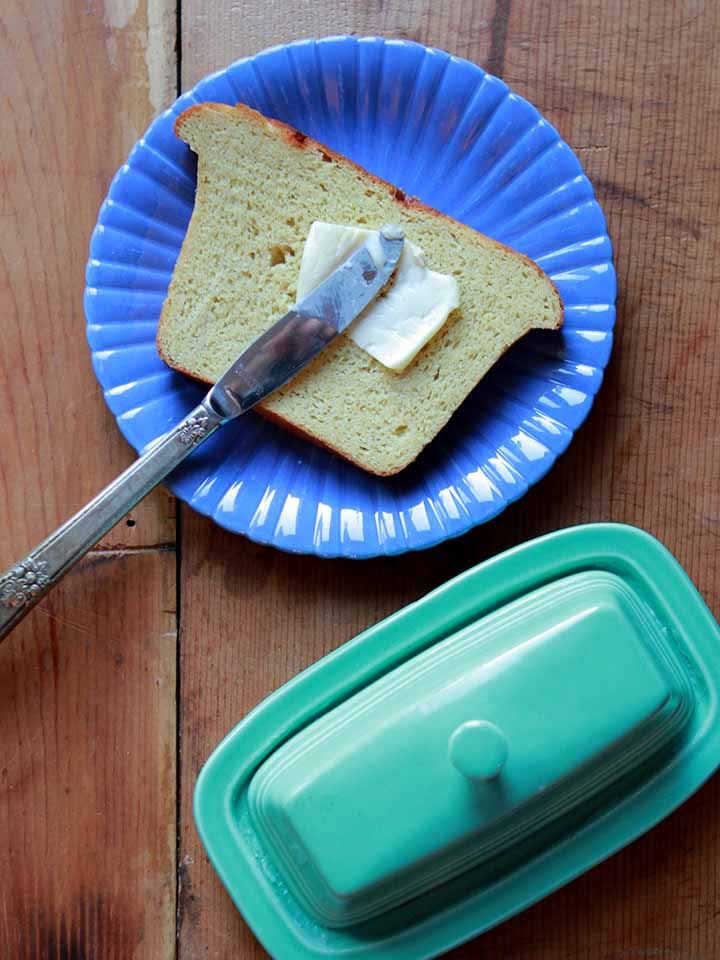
[
  {"x": 24, "y": 584},
  {"x": 21, "y": 584}
]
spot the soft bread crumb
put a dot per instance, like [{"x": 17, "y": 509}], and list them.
[{"x": 260, "y": 185}]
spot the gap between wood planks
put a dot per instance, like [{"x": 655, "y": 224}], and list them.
[
  {"x": 120, "y": 551},
  {"x": 178, "y": 689},
  {"x": 178, "y": 597}
]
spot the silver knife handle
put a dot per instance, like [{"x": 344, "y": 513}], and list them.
[{"x": 29, "y": 580}]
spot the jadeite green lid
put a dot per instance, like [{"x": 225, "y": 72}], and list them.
[{"x": 469, "y": 754}]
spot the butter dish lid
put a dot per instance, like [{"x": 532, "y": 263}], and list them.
[
  {"x": 469, "y": 754},
  {"x": 468, "y": 747}
]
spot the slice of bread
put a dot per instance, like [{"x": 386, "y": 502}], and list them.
[{"x": 260, "y": 185}]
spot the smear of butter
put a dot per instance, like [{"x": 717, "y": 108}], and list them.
[{"x": 396, "y": 326}]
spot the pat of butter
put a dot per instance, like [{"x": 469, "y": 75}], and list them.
[{"x": 396, "y": 326}]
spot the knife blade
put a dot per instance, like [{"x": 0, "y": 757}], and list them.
[
  {"x": 298, "y": 337},
  {"x": 267, "y": 364}
]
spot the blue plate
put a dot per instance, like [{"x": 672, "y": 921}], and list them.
[{"x": 442, "y": 129}]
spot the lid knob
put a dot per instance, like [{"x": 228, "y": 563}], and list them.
[{"x": 478, "y": 750}]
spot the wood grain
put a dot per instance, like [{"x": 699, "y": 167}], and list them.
[
  {"x": 87, "y": 766},
  {"x": 87, "y": 682},
  {"x": 214, "y": 34},
  {"x": 76, "y": 95},
  {"x": 87, "y": 709},
  {"x": 632, "y": 88}
]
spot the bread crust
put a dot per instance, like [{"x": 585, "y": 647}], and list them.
[
  {"x": 293, "y": 428},
  {"x": 300, "y": 141}
]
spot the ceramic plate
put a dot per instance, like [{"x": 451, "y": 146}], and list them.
[{"x": 438, "y": 127}]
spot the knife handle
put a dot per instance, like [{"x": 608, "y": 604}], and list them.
[{"x": 29, "y": 580}]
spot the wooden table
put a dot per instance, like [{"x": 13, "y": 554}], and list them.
[{"x": 116, "y": 688}]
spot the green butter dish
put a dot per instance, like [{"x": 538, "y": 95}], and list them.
[{"x": 471, "y": 753}]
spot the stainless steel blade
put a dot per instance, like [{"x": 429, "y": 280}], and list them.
[{"x": 298, "y": 337}]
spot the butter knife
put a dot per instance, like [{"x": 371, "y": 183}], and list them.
[{"x": 270, "y": 362}]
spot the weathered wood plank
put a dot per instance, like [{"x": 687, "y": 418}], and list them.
[
  {"x": 87, "y": 766},
  {"x": 87, "y": 682},
  {"x": 215, "y": 34},
  {"x": 80, "y": 83},
  {"x": 632, "y": 88}
]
